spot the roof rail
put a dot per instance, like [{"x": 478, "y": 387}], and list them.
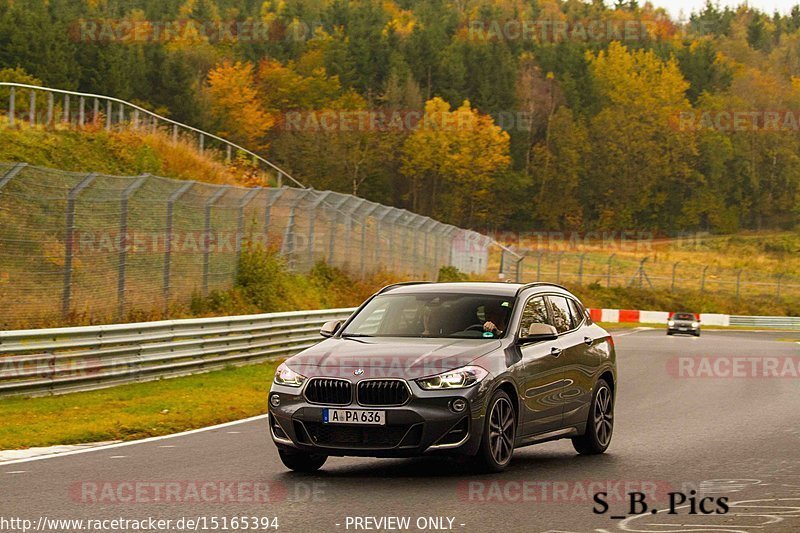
[
  {"x": 402, "y": 284},
  {"x": 540, "y": 284}
]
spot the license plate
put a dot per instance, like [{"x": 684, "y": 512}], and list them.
[{"x": 354, "y": 416}]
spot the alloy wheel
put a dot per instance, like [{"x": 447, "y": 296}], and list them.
[
  {"x": 603, "y": 416},
  {"x": 501, "y": 431}
]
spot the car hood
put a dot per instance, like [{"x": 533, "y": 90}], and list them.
[{"x": 388, "y": 357}]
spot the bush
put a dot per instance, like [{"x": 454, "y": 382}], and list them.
[{"x": 451, "y": 274}]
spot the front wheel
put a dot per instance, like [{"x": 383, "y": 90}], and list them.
[
  {"x": 497, "y": 444},
  {"x": 301, "y": 461},
  {"x": 600, "y": 424}
]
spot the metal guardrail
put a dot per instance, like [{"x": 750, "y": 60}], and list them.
[
  {"x": 778, "y": 322},
  {"x": 113, "y": 111},
  {"x": 55, "y": 361}
]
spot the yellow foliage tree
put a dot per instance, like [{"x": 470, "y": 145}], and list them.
[
  {"x": 235, "y": 106},
  {"x": 452, "y": 159}
]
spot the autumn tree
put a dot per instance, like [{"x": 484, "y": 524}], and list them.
[
  {"x": 235, "y": 106},
  {"x": 452, "y": 159}
]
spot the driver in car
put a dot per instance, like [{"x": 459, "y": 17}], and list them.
[{"x": 496, "y": 314}]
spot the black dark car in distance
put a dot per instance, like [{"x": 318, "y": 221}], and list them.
[
  {"x": 470, "y": 369},
  {"x": 687, "y": 323}
]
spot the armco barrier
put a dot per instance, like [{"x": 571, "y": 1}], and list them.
[
  {"x": 54, "y": 361},
  {"x": 788, "y": 322}
]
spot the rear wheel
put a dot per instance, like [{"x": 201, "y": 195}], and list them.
[
  {"x": 500, "y": 429},
  {"x": 600, "y": 424},
  {"x": 301, "y": 461}
]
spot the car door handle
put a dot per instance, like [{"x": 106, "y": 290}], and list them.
[
  {"x": 555, "y": 352},
  {"x": 588, "y": 340}
]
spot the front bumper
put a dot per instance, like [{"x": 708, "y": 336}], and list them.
[
  {"x": 683, "y": 328},
  {"x": 425, "y": 425}
]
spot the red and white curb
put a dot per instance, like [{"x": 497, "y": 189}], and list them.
[{"x": 629, "y": 316}]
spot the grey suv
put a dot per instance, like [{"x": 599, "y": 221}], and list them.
[{"x": 475, "y": 369}]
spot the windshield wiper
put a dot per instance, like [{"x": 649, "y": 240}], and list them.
[{"x": 355, "y": 335}]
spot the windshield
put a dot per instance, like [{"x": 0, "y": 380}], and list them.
[
  {"x": 683, "y": 316},
  {"x": 426, "y": 315}
]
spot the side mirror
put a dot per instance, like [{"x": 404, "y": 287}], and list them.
[
  {"x": 329, "y": 329},
  {"x": 537, "y": 333}
]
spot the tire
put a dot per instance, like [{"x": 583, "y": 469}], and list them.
[
  {"x": 669, "y": 332},
  {"x": 499, "y": 431},
  {"x": 599, "y": 424},
  {"x": 301, "y": 461},
  {"x": 697, "y": 334}
]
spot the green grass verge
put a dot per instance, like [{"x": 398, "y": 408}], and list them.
[{"x": 138, "y": 410}]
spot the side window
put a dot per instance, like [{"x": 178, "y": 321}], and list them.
[
  {"x": 535, "y": 312},
  {"x": 562, "y": 316},
  {"x": 578, "y": 314}
]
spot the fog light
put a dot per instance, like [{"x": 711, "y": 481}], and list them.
[
  {"x": 275, "y": 400},
  {"x": 458, "y": 405}
]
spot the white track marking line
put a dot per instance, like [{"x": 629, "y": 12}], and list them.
[
  {"x": 17, "y": 472},
  {"x": 134, "y": 442}
]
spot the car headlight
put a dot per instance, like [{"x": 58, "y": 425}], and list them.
[
  {"x": 671, "y": 323},
  {"x": 286, "y": 376},
  {"x": 460, "y": 378},
  {"x": 695, "y": 324}
]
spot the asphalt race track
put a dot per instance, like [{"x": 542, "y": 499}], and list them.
[{"x": 737, "y": 438}]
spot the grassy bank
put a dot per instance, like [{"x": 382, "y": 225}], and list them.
[
  {"x": 122, "y": 153},
  {"x": 138, "y": 410}
]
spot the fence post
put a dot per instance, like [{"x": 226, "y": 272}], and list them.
[
  {"x": 109, "y": 112},
  {"x": 608, "y": 270},
  {"x": 539, "y": 265},
  {"x": 288, "y": 238},
  {"x": 207, "y": 236},
  {"x": 228, "y": 154},
  {"x": 81, "y": 111},
  {"x": 121, "y": 116},
  {"x": 246, "y": 199},
  {"x": 271, "y": 199},
  {"x": 641, "y": 272},
  {"x": 175, "y": 134},
  {"x": 174, "y": 197},
  {"x": 333, "y": 225},
  {"x": 33, "y": 108},
  {"x": 66, "y": 109},
  {"x": 703, "y": 280},
  {"x": 364, "y": 219},
  {"x": 738, "y": 282},
  {"x": 559, "y": 256},
  {"x": 12, "y": 97},
  {"x": 202, "y": 143},
  {"x": 580, "y": 269},
  {"x": 95, "y": 111},
  {"x": 519, "y": 268},
  {"x": 69, "y": 236},
  {"x": 50, "y": 106},
  {"x": 312, "y": 222},
  {"x": 674, "y": 269},
  {"x": 123, "y": 243},
  {"x": 10, "y": 173}
]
